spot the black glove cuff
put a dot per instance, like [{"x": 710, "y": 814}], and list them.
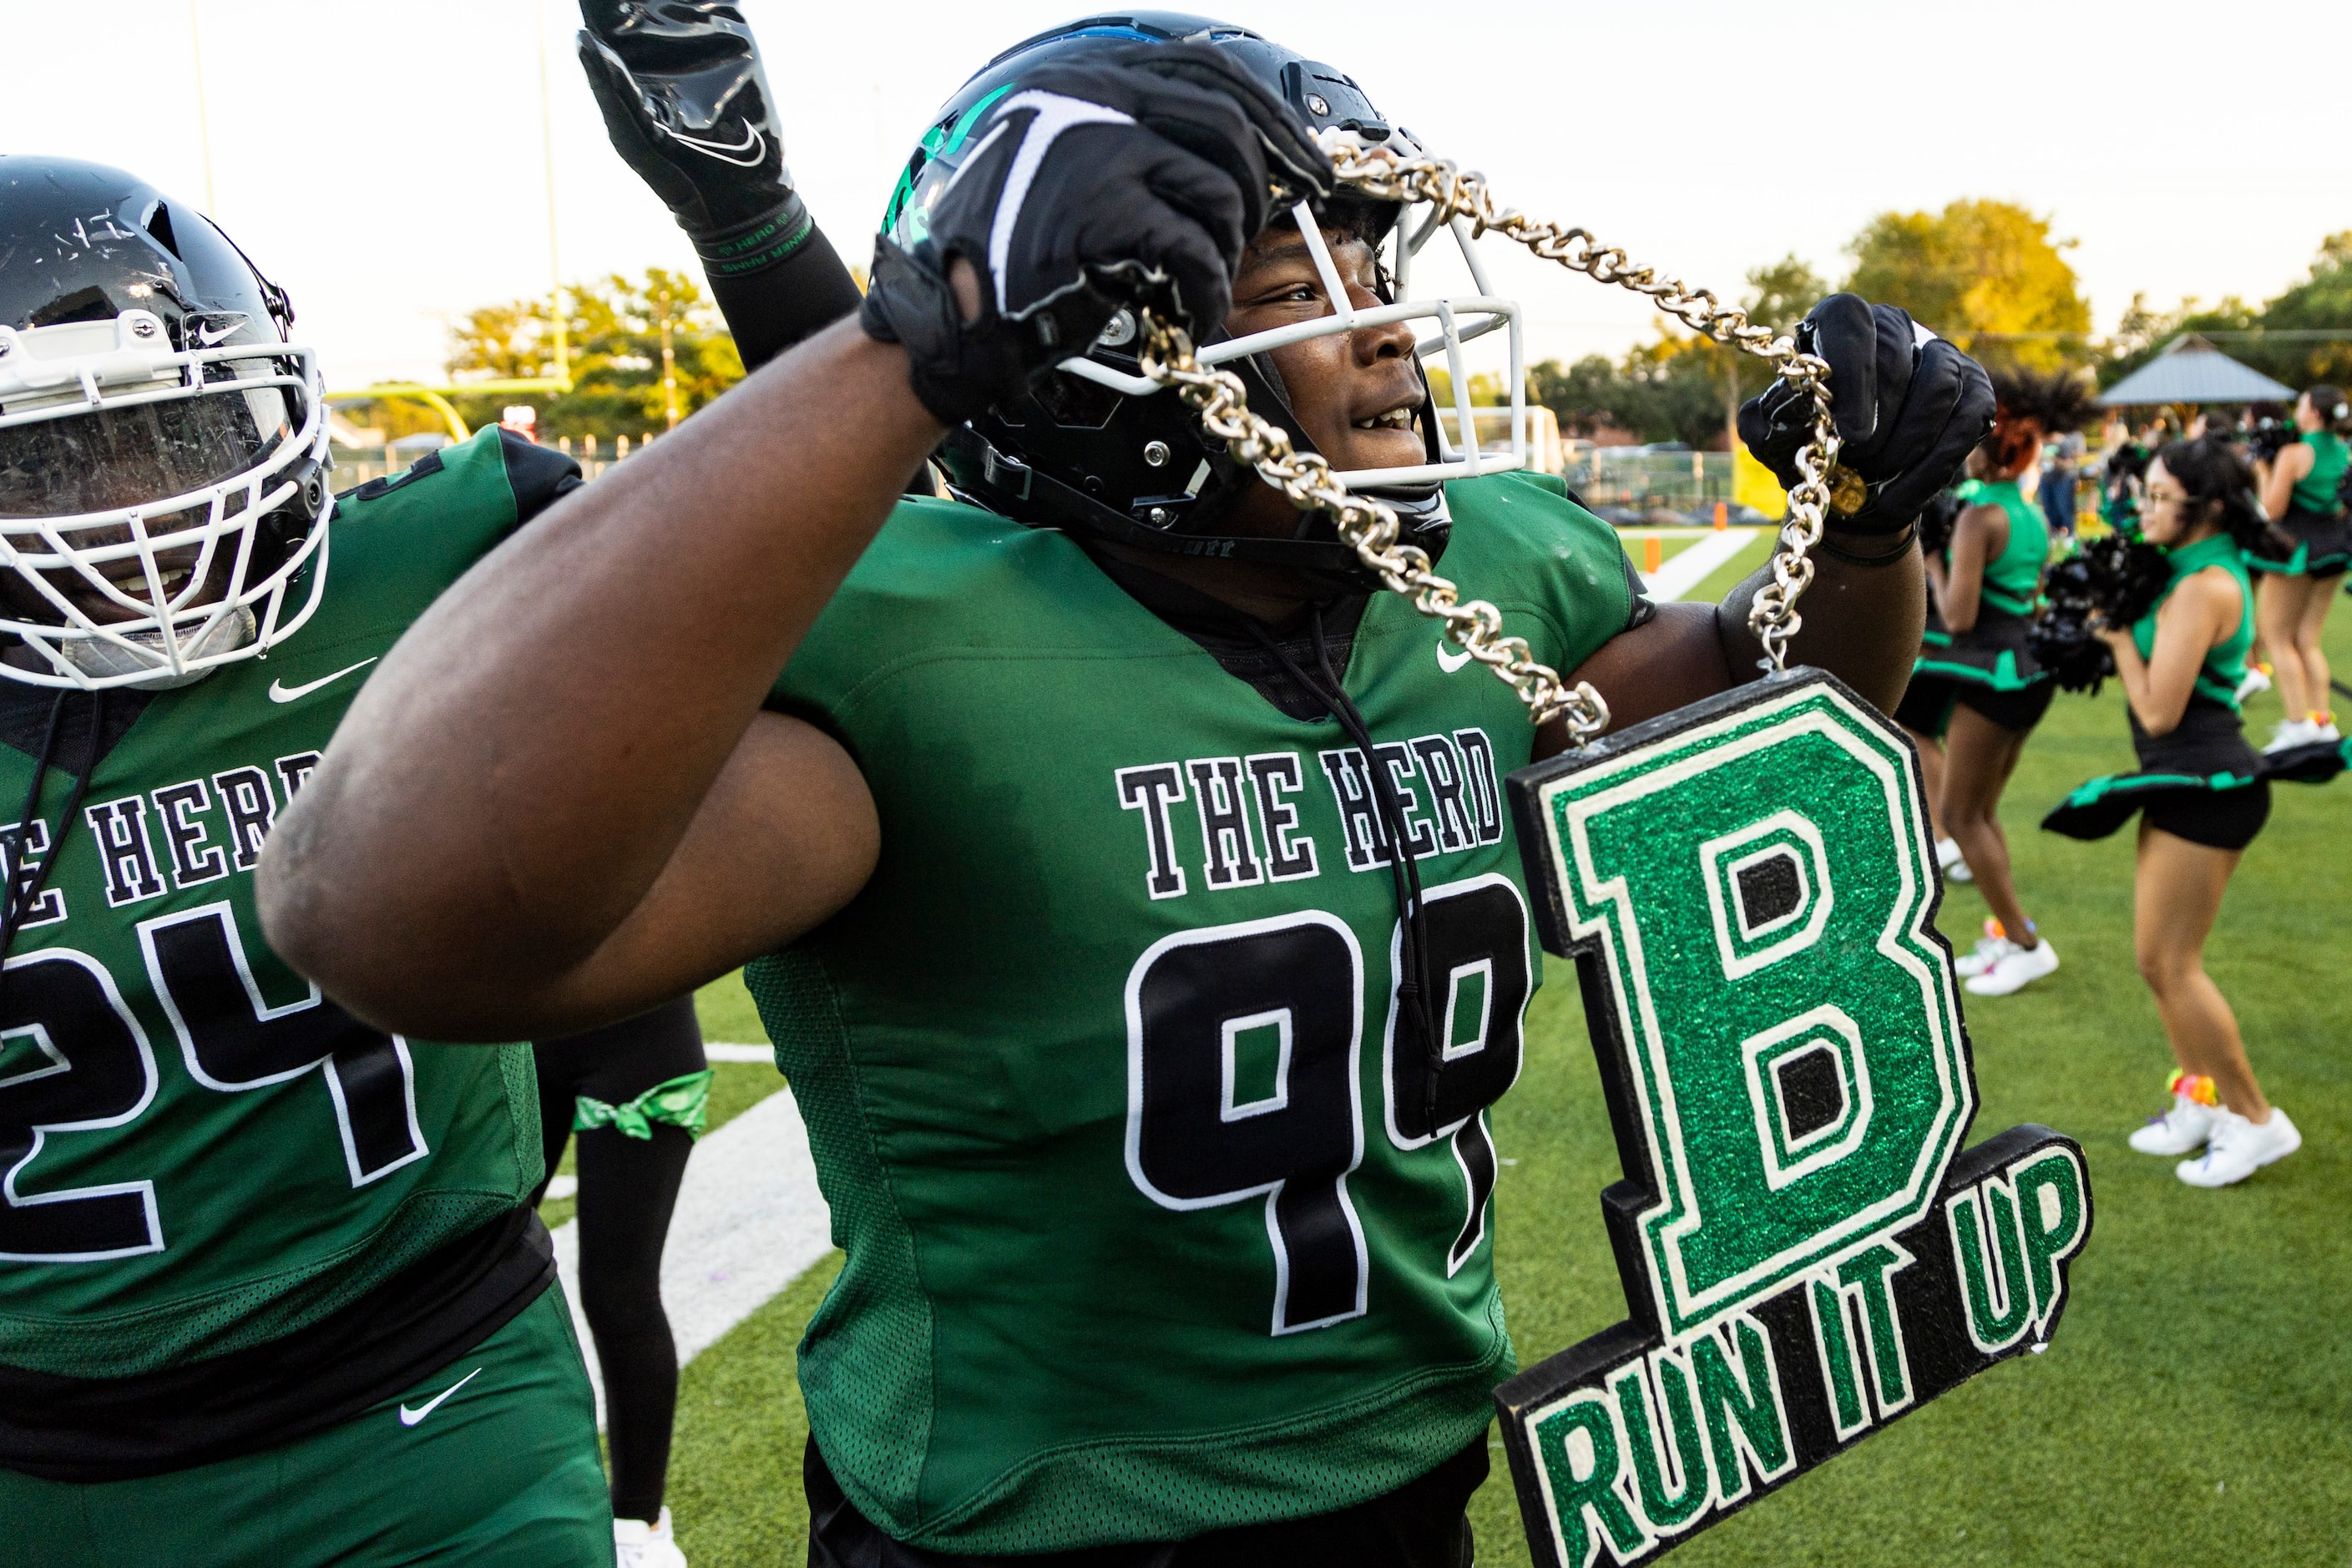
[
  {"x": 745, "y": 249},
  {"x": 1874, "y": 518},
  {"x": 956, "y": 372},
  {"x": 1902, "y": 539}
]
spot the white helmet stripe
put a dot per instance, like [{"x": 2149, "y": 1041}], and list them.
[{"x": 1055, "y": 113}]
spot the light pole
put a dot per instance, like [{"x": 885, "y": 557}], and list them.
[
  {"x": 669, "y": 365},
  {"x": 554, "y": 259},
  {"x": 203, "y": 115}
]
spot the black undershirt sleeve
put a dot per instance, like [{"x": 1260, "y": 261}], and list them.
[{"x": 796, "y": 299}]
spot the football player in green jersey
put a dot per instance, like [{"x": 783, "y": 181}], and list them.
[
  {"x": 1147, "y": 1072},
  {"x": 247, "y": 1243},
  {"x": 273, "y": 1290}
]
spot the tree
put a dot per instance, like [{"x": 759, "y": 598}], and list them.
[
  {"x": 1680, "y": 387},
  {"x": 615, "y": 328},
  {"x": 1780, "y": 295},
  {"x": 2281, "y": 338},
  {"x": 2322, "y": 302},
  {"x": 1985, "y": 274}
]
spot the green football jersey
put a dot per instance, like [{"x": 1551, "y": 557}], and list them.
[
  {"x": 1151, "y": 1228},
  {"x": 200, "y": 1152}
]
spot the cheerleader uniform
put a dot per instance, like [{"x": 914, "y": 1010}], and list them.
[
  {"x": 1989, "y": 667},
  {"x": 2201, "y": 781},
  {"x": 2316, "y": 519}
]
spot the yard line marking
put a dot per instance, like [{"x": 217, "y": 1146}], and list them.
[{"x": 1695, "y": 564}]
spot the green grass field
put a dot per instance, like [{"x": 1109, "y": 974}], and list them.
[{"x": 2197, "y": 1402}]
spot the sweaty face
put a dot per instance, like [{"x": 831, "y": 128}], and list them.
[{"x": 1354, "y": 392}]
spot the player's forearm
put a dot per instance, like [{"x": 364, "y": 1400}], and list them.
[
  {"x": 1862, "y": 624},
  {"x": 528, "y": 757}
]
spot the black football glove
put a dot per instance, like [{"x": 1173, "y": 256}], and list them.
[
  {"x": 687, "y": 104},
  {"x": 1908, "y": 407},
  {"x": 1133, "y": 180}
]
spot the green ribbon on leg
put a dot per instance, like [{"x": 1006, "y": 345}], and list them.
[{"x": 683, "y": 1101}]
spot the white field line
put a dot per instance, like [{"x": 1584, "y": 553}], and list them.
[
  {"x": 750, "y": 1221},
  {"x": 719, "y": 1051},
  {"x": 1695, "y": 564}
]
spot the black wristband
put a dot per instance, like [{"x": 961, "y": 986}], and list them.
[
  {"x": 1903, "y": 537},
  {"x": 752, "y": 248}
]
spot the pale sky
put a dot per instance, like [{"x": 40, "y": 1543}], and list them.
[{"x": 383, "y": 162}]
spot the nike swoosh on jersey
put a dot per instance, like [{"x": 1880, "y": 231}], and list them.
[
  {"x": 1451, "y": 660},
  {"x": 411, "y": 1417},
  {"x": 281, "y": 692}
]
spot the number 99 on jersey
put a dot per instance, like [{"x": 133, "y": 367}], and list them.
[{"x": 1749, "y": 888}]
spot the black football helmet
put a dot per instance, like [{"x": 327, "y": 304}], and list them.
[
  {"x": 162, "y": 446},
  {"x": 1098, "y": 449}
]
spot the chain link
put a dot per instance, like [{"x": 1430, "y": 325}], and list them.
[{"x": 1370, "y": 528}]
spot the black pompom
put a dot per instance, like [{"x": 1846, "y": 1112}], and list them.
[
  {"x": 2116, "y": 577},
  {"x": 1937, "y": 520},
  {"x": 2269, "y": 437}
]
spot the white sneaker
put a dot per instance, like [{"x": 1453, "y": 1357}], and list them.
[
  {"x": 2293, "y": 732},
  {"x": 2255, "y": 683},
  {"x": 1990, "y": 951},
  {"x": 1948, "y": 858},
  {"x": 2015, "y": 969},
  {"x": 636, "y": 1544},
  {"x": 2179, "y": 1131},
  {"x": 2327, "y": 732},
  {"x": 2236, "y": 1149}
]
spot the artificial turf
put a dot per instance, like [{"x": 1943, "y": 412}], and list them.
[{"x": 2197, "y": 1402}]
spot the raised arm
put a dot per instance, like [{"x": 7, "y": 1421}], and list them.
[
  {"x": 527, "y": 798},
  {"x": 560, "y": 798},
  {"x": 1979, "y": 535},
  {"x": 2281, "y": 475},
  {"x": 1908, "y": 406},
  {"x": 688, "y": 104}
]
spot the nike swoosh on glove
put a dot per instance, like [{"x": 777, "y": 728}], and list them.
[
  {"x": 686, "y": 101},
  {"x": 1136, "y": 180},
  {"x": 1908, "y": 405}
]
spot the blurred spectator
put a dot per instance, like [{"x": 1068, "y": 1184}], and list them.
[{"x": 2062, "y": 464}]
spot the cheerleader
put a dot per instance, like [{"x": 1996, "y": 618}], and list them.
[
  {"x": 1976, "y": 691},
  {"x": 2203, "y": 796},
  {"x": 2302, "y": 489},
  {"x": 635, "y": 1096}
]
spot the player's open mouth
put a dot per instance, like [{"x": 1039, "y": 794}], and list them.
[
  {"x": 1397, "y": 418},
  {"x": 104, "y": 607},
  {"x": 136, "y": 582}
]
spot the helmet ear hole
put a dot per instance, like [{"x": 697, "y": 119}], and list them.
[{"x": 1074, "y": 402}]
